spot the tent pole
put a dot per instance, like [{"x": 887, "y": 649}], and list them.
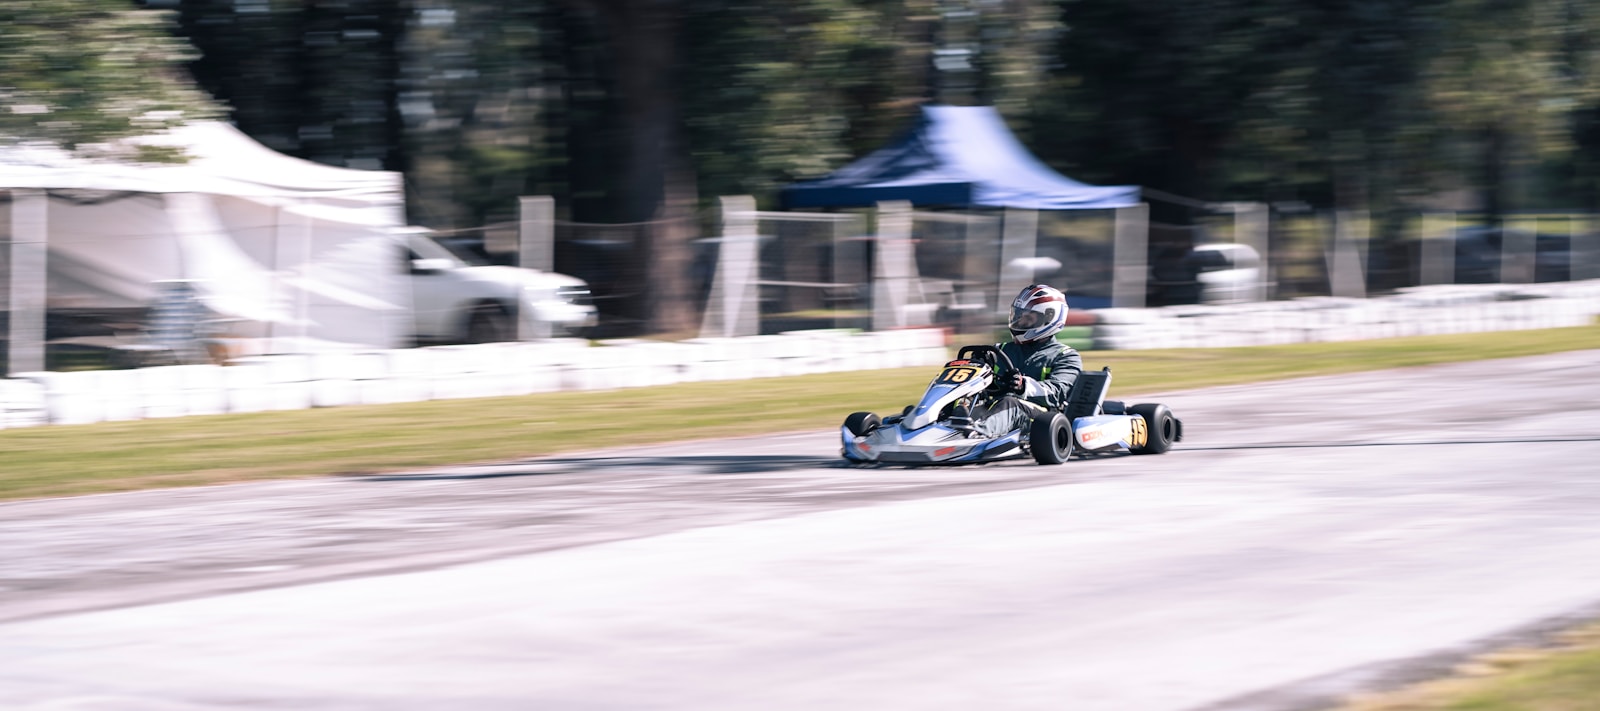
[{"x": 29, "y": 234}]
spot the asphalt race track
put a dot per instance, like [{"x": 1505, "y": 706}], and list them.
[{"x": 1308, "y": 538}]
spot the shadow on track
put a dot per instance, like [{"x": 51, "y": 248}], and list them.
[
  {"x": 711, "y": 465},
  {"x": 1419, "y": 443}
]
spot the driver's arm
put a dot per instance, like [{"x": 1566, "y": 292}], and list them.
[{"x": 1052, "y": 389}]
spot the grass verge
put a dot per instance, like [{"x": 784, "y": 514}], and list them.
[
  {"x": 65, "y": 460},
  {"x": 1562, "y": 676}
]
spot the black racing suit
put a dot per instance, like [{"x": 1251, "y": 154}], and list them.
[{"x": 1048, "y": 368}]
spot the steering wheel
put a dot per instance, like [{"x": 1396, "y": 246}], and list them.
[{"x": 996, "y": 359}]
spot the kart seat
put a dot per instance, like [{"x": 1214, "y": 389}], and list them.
[{"x": 1088, "y": 392}]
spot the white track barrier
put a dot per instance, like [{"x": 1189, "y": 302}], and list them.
[
  {"x": 287, "y": 382},
  {"x": 22, "y": 403},
  {"x": 1420, "y": 311}
]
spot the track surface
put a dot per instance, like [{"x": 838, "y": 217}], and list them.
[{"x": 1308, "y": 538}]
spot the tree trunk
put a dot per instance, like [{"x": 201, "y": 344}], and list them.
[
  {"x": 658, "y": 183},
  {"x": 1494, "y": 158}
]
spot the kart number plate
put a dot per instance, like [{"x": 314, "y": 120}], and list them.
[
  {"x": 956, "y": 374},
  {"x": 1140, "y": 434}
]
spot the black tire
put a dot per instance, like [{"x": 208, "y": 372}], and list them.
[
  {"x": 861, "y": 424},
  {"x": 490, "y": 323},
  {"x": 1050, "y": 438},
  {"x": 1161, "y": 427}
]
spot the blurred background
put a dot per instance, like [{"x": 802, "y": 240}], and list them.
[{"x": 1283, "y": 125}]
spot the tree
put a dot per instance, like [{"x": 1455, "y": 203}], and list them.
[
  {"x": 82, "y": 73},
  {"x": 657, "y": 185},
  {"x": 1499, "y": 81},
  {"x": 315, "y": 80},
  {"x": 762, "y": 113}
]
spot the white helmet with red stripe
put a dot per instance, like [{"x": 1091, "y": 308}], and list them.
[{"x": 1038, "y": 313}]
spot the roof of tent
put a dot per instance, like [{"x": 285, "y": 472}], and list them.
[
  {"x": 956, "y": 156},
  {"x": 223, "y": 161},
  {"x": 262, "y": 237}
]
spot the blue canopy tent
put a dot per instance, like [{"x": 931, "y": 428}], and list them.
[
  {"x": 965, "y": 158},
  {"x": 956, "y": 156}
]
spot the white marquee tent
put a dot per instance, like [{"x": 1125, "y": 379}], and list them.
[{"x": 300, "y": 253}]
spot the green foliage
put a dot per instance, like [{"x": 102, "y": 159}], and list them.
[
  {"x": 81, "y": 73},
  {"x": 775, "y": 92}
]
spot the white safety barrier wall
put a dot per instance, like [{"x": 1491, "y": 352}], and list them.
[
  {"x": 293, "y": 382},
  {"x": 1420, "y": 311}
]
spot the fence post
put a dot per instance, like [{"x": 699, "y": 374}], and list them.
[
  {"x": 536, "y": 248},
  {"x": 1347, "y": 274},
  {"x": 731, "y": 310},
  {"x": 1438, "y": 253},
  {"x": 536, "y": 234},
  {"x": 845, "y": 232},
  {"x": 1130, "y": 256},
  {"x": 1252, "y": 226},
  {"x": 895, "y": 266},
  {"x": 1586, "y": 248},
  {"x": 26, "y": 301},
  {"x": 1517, "y": 250}
]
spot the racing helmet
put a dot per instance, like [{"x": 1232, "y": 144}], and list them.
[{"x": 1038, "y": 313}]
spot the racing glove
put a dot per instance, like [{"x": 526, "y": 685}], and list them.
[{"x": 1018, "y": 384}]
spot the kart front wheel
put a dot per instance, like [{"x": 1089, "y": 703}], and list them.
[
  {"x": 1050, "y": 438},
  {"x": 1161, "y": 426},
  {"x": 861, "y": 424}
]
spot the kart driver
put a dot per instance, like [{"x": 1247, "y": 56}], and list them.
[{"x": 1047, "y": 369}]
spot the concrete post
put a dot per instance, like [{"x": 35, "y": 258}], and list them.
[
  {"x": 536, "y": 242},
  {"x": 1517, "y": 247},
  {"x": 29, "y": 230},
  {"x": 895, "y": 266},
  {"x": 1347, "y": 274},
  {"x": 1586, "y": 248},
  {"x": 1438, "y": 253},
  {"x": 536, "y": 249},
  {"x": 1252, "y": 226},
  {"x": 732, "y": 309},
  {"x": 1130, "y": 256}
]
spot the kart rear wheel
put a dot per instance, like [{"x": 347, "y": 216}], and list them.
[
  {"x": 1161, "y": 426},
  {"x": 1050, "y": 438},
  {"x": 861, "y": 424}
]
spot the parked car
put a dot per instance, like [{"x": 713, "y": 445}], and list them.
[
  {"x": 456, "y": 300},
  {"x": 1218, "y": 273},
  {"x": 1480, "y": 254}
]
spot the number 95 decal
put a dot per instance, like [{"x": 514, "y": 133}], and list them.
[{"x": 1140, "y": 433}]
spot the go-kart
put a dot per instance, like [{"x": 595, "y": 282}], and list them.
[{"x": 939, "y": 429}]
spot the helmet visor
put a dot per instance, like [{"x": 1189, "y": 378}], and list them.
[{"x": 1024, "y": 319}]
